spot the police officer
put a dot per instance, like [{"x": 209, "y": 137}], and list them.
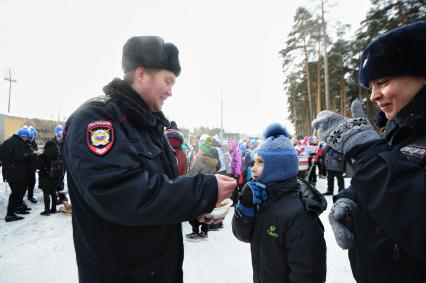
[
  {"x": 128, "y": 201},
  {"x": 381, "y": 217},
  {"x": 16, "y": 159}
]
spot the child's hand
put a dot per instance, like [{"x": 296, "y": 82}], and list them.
[{"x": 252, "y": 195}]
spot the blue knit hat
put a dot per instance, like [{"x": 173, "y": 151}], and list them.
[
  {"x": 280, "y": 161},
  {"x": 399, "y": 52}
]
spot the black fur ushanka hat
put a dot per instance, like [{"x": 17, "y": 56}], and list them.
[
  {"x": 399, "y": 52},
  {"x": 150, "y": 52}
]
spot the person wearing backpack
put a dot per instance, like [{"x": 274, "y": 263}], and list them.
[{"x": 50, "y": 176}]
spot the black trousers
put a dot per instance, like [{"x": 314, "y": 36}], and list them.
[
  {"x": 330, "y": 180},
  {"x": 15, "y": 198},
  {"x": 31, "y": 180},
  {"x": 49, "y": 192},
  {"x": 196, "y": 226},
  {"x": 313, "y": 175},
  {"x": 60, "y": 187},
  {"x": 321, "y": 166}
]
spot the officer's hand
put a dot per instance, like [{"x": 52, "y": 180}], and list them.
[
  {"x": 342, "y": 133},
  {"x": 252, "y": 195},
  {"x": 341, "y": 222},
  {"x": 225, "y": 187}
]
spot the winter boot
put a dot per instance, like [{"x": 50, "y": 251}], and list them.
[
  {"x": 203, "y": 235},
  {"x": 12, "y": 217},
  {"x": 46, "y": 212},
  {"x": 21, "y": 210},
  {"x": 213, "y": 227},
  {"x": 193, "y": 237},
  {"x": 53, "y": 210},
  {"x": 32, "y": 200},
  {"x": 24, "y": 206}
]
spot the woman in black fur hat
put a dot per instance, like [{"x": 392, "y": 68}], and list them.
[{"x": 381, "y": 217}]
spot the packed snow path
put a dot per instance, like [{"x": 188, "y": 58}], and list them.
[{"x": 40, "y": 249}]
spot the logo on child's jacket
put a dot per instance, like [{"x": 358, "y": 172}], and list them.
[
  {"x": 100, "y": 136},
  {"x": 272, "y": 231}
]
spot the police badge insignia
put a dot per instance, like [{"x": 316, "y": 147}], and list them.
[{"x": 100, "y": 136}]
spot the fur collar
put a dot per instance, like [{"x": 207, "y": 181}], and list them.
[
  {"x": 133, "y": 105},
  {"x": 414, "y": 114}
]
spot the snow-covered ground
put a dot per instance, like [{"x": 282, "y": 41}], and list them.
[{"x": 40, "y": 249}]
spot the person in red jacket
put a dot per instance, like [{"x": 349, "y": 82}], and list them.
[{"x": 176, "y": 140}]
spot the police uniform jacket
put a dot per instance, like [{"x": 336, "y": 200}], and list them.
[
  {"x": 128, "y": 203},
  {"x": 16, "y": 159},
  {"x": 286, "y": 236},
  {"x": 389, "y": 187}
]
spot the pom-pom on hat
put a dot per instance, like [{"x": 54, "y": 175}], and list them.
[
  {"x": 399, "y": 52},
  {"x": 150, "y": 52},
  {"x": 280, "y": 161}
]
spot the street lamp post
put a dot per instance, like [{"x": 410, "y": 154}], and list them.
[{"x": 10, "y": 87}]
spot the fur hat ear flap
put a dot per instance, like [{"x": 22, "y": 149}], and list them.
[{"x": 399, "y": 52}]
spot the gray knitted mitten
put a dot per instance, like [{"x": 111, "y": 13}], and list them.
[
  {"x": 340, "y": 218},
  {"x": 342, "y": 133}
]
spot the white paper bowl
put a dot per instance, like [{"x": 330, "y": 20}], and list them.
[{"x": 220, "y": 212}]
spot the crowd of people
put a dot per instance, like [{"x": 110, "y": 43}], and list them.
[
  {"x": 317, "y": 157},
  {"x": 21, "y": 161},
  {"x": 133, "y": 180}
]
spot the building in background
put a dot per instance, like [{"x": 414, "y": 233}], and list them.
[{"x": 10, "y": 125}]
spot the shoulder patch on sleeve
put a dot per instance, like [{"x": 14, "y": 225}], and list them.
[
  {"x": 100, "y": 136},
  {"x": 414, "y": 150}
]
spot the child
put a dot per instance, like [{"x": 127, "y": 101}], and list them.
[
  {"x": 50, "y": 175},
  {"x": 278, "y": 216}
]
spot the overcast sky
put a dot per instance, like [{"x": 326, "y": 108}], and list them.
[{"x": 64, "y": 52}]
